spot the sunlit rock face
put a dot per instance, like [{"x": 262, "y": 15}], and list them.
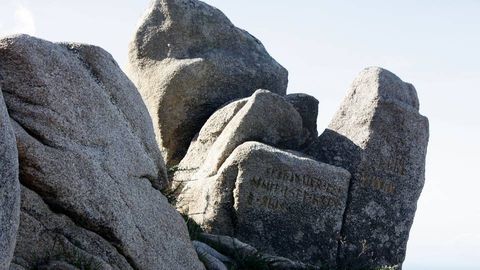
[
  {"x": 86, "y": 146},
  {"x": 187, "y": 60}
]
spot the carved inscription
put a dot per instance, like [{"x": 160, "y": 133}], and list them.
[
  {"x": 377, "y": 183},
  {"x": 266, "y": 201},
  {"x": 276, "y": 189},
  {"x": 380, "y": 174},
  {"x": 397, "y": 160},
  {"x": 394, "y": 165}
]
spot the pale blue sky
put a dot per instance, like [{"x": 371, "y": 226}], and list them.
[{"x": 324, "y": 45}]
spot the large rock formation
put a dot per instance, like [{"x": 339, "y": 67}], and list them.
[
  {"x": 280, "y": 202},
  {"x": 79, "y": 139},
  {"x": 9, "y": 188},
  {"x": 380, "y": 137},
  {"x": 187, "y": 59},
  {"x": 86, "y": 146}
]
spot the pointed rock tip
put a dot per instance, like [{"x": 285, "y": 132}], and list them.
[{"x": 389, "y": 87}]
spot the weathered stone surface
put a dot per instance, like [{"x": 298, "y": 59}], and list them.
[
  {"x": 57, "y": 265},
  {"x": 264, "y": 117},
  {"x": 86, "y": 146},
  {"x": 203, "y": 141},
  {"x": 280, "y": 202},
  {"x": 242, "y": 252},
  {"x": 380, "y": 137},
  {"x": 187, "y": 59},
  {"x": 307, "y": 106},
  {"x": 9, "y": 188},
  {"x": 46, "y": 239},
  {"x": 211, "y": 258}
]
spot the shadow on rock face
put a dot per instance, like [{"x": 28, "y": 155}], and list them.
[{"x": 333, "y": 148}]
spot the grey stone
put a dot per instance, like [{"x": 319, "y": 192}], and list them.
[
  {"x": 211, "y": 251},
  {"x": 280, "y": 202},
  {"x": 307, "y": 106},
  {"x": 16, "y": 267},
  {"x": 243, "y": 252},
  {"x": 187, "y": 60},
  {"x": 265, "y": 117},
  {"x": 9, "y": 188},
  {"x": 86, "y": 145},
  {"x": 47, "y": 240},
  {"x": 211, "y": 258},
  {"x": 380, "y": 137},
  {"x": 203, "y": 141},
  {"x": 57, "y": 265}
]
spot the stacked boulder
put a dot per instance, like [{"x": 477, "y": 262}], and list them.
[
  {"x": 187, "y": 60},
  {"x": 260, "y": 194},
  {"x": 82, "y": 170},
  {"x": 247, "y": 162}
]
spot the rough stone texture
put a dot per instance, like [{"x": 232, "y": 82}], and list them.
[
  {"x": 280, "y": 202},
  {"x": 86, "y": 146},
  {"x": 57, "y": 265},
  {"x": 47, "y": 239},
  {"x": 264, "y": 117},
  {"x": 9, "y": 188},
  {"x": 240, "y": 251},
  {"x": 211, "y": 258},
  {"x": 380, "y": 137},
  {"x": 307, "y": 106},
  {"x": 203, "y": 141},
  {"x": 187, "y": 59}
]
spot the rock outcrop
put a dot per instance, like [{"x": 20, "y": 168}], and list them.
[
  {"x": 9, "y": 188},
  {"x": 86, "y": 146},
  {"x": 82, "y": 173},
  {"x": 187, "y": 60},
  {"x": 380, "y": 137},
  {"x": 280, "y": 202}
]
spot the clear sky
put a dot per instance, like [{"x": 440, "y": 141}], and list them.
[{"x": 324, "y": 44}]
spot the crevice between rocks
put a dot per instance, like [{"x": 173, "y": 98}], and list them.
[
  {"x": 231, "y": 210},
  {"x": 344, "y": 218}
]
